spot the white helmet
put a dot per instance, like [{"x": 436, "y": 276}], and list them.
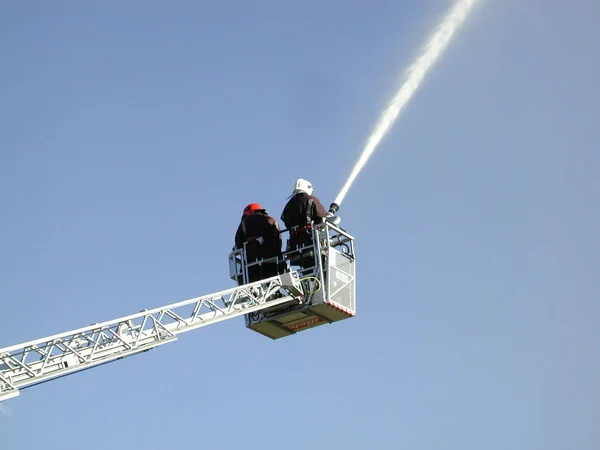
[{"x": 303, "y": 185}]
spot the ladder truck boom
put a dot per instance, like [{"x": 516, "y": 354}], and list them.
[
  {"x": 34, "y": 362},
  {"x": 320, "y": 291}
]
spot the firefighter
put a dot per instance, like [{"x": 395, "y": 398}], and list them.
[
  {"x": 301, "y": 211},
  {"x": 261, "y": 235}
]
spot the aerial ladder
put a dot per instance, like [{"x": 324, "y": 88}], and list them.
[{"x": 317, "y": 287}]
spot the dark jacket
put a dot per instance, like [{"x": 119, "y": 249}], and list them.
[
  {"x": 301, "y": 210},
  {"x": 259, "y": 225}
]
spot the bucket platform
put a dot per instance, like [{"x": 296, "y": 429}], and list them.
[{"x": 326, "y": 268}]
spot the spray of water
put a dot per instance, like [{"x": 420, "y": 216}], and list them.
[{"x": 415, "y": 74}]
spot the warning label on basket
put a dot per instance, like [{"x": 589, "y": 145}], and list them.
[{"x": 305, "y": 323}]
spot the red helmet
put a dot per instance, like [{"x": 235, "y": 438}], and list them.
[{"x": 251, "y": 208}]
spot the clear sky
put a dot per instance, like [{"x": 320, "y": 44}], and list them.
[{"x": 132, "y": 134}]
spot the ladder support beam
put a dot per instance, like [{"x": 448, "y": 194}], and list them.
[{"x": 41, "y": 360}]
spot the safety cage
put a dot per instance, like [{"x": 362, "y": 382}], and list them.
[{"x": 325, "y": 263}]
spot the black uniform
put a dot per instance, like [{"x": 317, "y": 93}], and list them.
[
  {"x": 260, "y": 233},
  {"x": 301, "y": 211}
]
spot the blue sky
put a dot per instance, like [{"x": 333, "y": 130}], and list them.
[{"x": 134, "y": 133}]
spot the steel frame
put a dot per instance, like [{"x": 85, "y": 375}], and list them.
[{"x": 34, "y": 362}]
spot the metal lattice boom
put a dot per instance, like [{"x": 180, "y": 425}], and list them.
[{"x": 34, "y": 362}]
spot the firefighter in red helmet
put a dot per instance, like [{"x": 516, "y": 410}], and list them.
[{"x": 261, "y": 235}]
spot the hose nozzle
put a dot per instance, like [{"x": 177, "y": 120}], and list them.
[
  {"x": 331, "y": 217},
  {"x": 333, "y": 208}
]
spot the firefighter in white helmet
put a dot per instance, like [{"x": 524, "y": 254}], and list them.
[{"x": 299, "y": 214}]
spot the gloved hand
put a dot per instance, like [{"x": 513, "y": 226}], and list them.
[{"x": 333, "y": 219}]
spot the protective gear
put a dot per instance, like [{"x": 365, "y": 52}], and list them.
[
  {"x": 252, "y": 207},
  {"x": 303, "y": 185},
  {"x": 300, "y": 212},
  {"x": 259, "y": 235}
]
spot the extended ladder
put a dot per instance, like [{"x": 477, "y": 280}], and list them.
[{"x": 34, "y": 362}]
